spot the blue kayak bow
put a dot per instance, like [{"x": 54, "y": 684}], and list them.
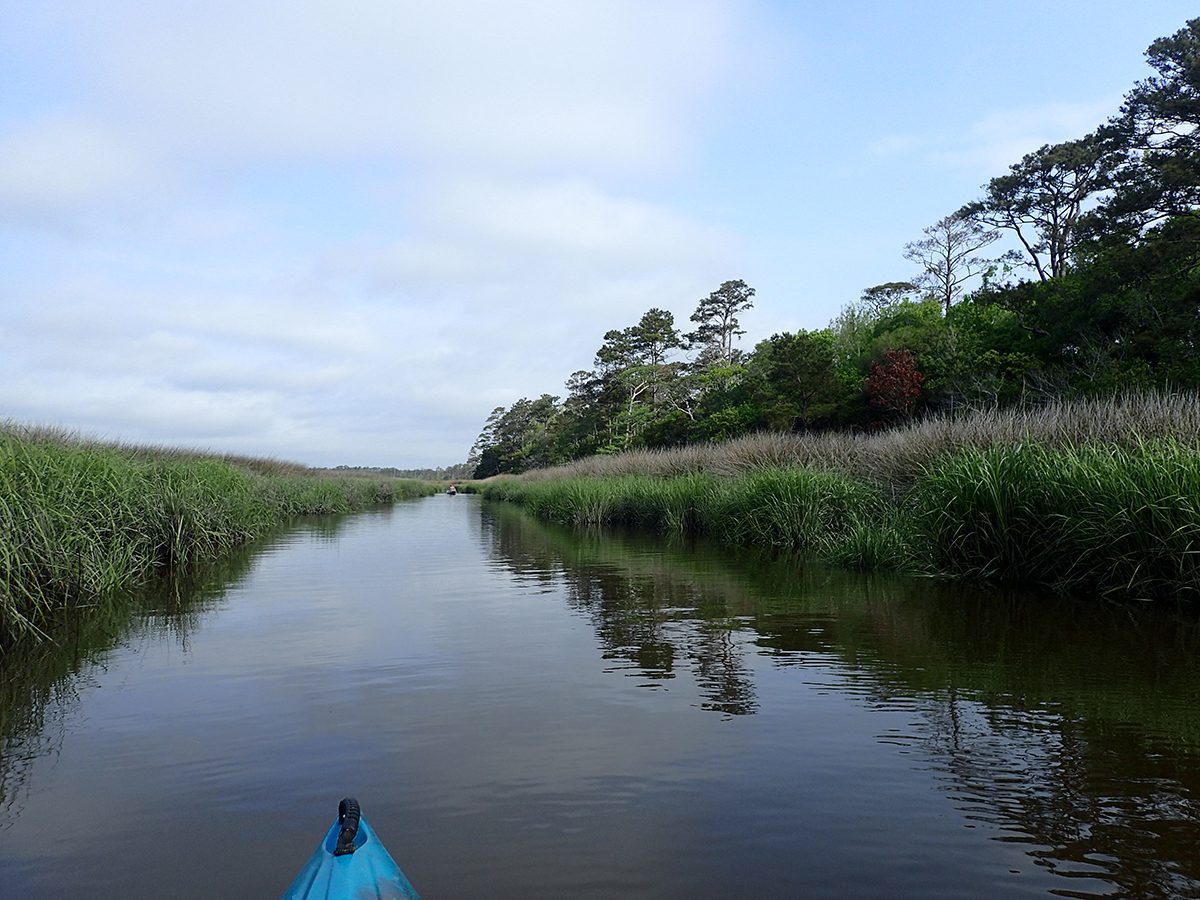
[{"x": 350, "y": 864}]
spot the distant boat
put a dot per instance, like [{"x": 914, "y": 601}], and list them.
[{"x": 452, "y": 490}]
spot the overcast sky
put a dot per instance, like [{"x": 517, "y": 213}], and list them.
[{"x": 344, "y": 232}]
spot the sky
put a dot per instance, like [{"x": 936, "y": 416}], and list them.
[{"x": 341, "y": 234}]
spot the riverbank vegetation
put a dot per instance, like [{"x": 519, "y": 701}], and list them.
[
  {"x": 84, "y": 519},
  {"x": 1022, "y": 405},
  {"x": 1094, "y": 496},
  {"x": 1096, "y": 294}
]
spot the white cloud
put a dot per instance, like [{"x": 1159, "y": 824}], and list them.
[
  {"x": 997, "y": 140},
  {"x": 1000, "y": 139},
  {"x": 511, "y": 286},
  {"x": 602, "y": 83},
  {"x": 129, "y": 407},
  {"x": 356, "y": 228},
  {"x": 574, "y": 219},
  {"x": 52, "y": 164},
  {"x": 526, "y": 247}
]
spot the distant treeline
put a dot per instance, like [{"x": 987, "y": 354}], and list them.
[
  {"x": 1099, "y": 295},
  {"x": 457, "y": 472}
]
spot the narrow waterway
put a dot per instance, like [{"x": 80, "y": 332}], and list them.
[{"x": 526, "y": 711}]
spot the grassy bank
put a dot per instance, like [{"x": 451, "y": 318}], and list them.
[
  {"x": 1107, "y": 504},
  {"x": 828, "y": 515},
  {"x": 1098, "y": 518},
  {"x": 900, "y": 456},
  {"x": 82, "y": 520}
]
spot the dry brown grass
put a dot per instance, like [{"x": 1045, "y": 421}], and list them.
[{"x": 900, "y": 455}]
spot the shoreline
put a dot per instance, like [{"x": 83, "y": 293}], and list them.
[
  {"x": 1119, "y": 521},
  {"x": 83, "y": 521}
]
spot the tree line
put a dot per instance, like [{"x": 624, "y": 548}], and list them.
[
  {"x": 1100, "y": 292},
  {"x": 456, "y": 472}
]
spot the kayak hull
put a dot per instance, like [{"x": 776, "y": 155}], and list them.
[{"x": 369, "y": 873}]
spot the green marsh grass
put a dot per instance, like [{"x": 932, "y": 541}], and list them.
[
  {"x": 799, "y": 508},
  {"x": 883, "y": 543},
  {"x": 1115, "y": 520},
  {"x": 794, "y": 508},
  {"x": 81, "y": 520},
  {"x": 1099, "y": 497}
]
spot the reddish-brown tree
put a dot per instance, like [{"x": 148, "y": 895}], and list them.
[{"x": 895, "y": 383}]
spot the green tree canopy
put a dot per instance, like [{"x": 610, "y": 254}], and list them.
[
  {"x": 717, "y": 325},
  {"x": 1161, "y": 118},
  {"x": 1043, "y": 197}
]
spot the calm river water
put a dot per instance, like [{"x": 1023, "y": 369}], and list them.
[{"x": 528, "y": 712}]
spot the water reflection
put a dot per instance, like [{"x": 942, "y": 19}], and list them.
[
  {"x": 1070, "y": 729},
  {"x": 43, "y": 685},
  {"x": 537, "y": 712}
]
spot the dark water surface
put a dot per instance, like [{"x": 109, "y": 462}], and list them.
[{"x": 528, "y": 712}]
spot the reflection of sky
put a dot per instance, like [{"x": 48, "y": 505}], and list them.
[{"x": 473, "y": 713}]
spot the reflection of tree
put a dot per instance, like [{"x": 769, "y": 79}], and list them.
[
  {"x": 651, "y": 621},
  {"x": 1069, "y": 728},
  {"x": 628, "y": 617},
  {"x": 1094, "y": 803},
  {"x": 724, "y": 680}
]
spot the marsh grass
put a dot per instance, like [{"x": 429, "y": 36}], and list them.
[
  {"x": 1103, "y": 518},
  {"x": 64, "y": 437},
  {"x": 887, "y": 543},
  {"x": 798, "y": 508},
  {"x": 900, "y": 456},
  {"x": 795, "y": 508},
  {"x": 1089, "y": 497},
  {"x": 82, "y": 520}
]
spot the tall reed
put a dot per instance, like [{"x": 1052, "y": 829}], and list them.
[
  {"x": 1105, "y": 518},
  {"x": 79, "y": 520},
  {"x": 795, "y": 508}
]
